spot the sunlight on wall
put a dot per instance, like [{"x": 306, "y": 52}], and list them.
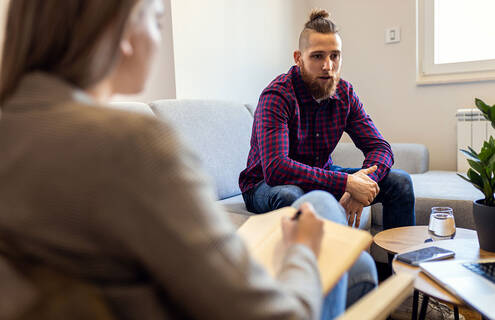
[{"x": 3, "y": 11}]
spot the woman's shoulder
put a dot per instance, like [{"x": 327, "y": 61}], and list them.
[{"x": 122, "y": 128}]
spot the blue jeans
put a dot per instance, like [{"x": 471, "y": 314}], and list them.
[
  {"x": 396, "y": 194},
  {"x": 361, "y": 277}
]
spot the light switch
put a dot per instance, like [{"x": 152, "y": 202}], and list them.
[{"x": 392, "y": 35}]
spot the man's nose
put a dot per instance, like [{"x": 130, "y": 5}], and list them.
[{"x": 327, "y": 64}]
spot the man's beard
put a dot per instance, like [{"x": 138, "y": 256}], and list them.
[{"x": 317, "y": 90}]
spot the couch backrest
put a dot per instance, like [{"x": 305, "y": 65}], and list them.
[
  {"x": 410, "y": 157},
  {"x": 131, "y": 106},
  {"x": 218, "y": 131}
]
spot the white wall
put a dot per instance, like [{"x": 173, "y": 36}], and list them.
[
  {"x": 232, "y": 49},
  {"x": 3, "y": 11},
  {"x": 384, "y": 77}
]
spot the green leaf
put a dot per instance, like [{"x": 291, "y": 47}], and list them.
[
  {"x": 470, "y": 155},
  {"x": 474, "y": 185},
  {"x": 473, "y": 152},
  {"x": 491, "y": 161},
  {"x": 487, "y": 151},
  {"x": 476, "y": 165},
  {"x": 487, "y": 188},
  {"x": 491, "y": 114},
  {"x": 475, "y": 179},
  {"x": 481, "y": 105}
]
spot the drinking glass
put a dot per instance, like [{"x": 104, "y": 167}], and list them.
[{"x": 442, "y": 223}]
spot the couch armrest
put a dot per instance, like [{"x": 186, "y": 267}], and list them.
[
  {"x": 410, "y": 157},
  {"x": 379, "y": 303}
]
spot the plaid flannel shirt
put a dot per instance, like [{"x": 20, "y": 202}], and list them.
[{"x": 293, "y": 137}]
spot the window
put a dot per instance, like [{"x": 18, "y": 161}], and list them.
[{"x": 456, "y": 40}]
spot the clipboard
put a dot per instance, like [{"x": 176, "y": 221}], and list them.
[{"x": 340, "y": 247}]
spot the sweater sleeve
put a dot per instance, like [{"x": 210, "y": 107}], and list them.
[{"x": 174, "y": 228}]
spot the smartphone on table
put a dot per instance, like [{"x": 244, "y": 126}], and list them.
[{"x": 426, "y": 254}]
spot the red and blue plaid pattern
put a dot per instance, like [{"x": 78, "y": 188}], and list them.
[{"x": 293, "y": 137}]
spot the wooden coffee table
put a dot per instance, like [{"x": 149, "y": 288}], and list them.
[{"x": 398, "y": 240}]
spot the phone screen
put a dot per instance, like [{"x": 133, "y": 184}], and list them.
[{"x": 426, "y": 254}]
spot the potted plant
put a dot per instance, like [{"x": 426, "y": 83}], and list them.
[{"x": 482, "y": 176}]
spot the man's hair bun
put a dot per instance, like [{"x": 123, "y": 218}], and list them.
[
  {"x": 319, "y": 21},
  {"x": 318, "y": 14}
]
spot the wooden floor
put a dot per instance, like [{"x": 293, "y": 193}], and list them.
[
  {"x": 404, "y": 312},
  {"x": 469, "y": 314}
]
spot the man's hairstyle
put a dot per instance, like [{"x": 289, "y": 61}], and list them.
[{"x": 319, "y": 21}]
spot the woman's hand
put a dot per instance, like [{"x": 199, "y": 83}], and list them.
[{"x": 307, "y": 229}]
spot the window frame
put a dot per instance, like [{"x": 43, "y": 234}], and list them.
[{"x": 430, "y": 73}]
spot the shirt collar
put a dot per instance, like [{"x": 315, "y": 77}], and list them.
[
  {"x": 303, "y": 90},
  {"x": 40, "y": 89}
]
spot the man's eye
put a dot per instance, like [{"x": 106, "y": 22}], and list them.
[
  {"x": 334, "y": 56},
  {"x": 317, "y": 56}
]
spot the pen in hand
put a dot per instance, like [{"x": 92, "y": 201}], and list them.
[{"x": 296, "y": 216}]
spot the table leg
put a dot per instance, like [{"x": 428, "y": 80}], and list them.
[
  {"x": 456, "y": 312},
  {"x": 424, "y": 306},
  {"x": 415, "y": 305}
]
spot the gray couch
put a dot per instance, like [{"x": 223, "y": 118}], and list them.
[{"x": 219, "y": 132}]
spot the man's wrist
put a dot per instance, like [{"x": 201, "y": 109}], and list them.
[{"x": 348, "y": 183}]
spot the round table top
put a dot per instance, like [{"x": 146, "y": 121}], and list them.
[
  {"x": 398, "y": 239},
  {"x": 403, "y": 239}
]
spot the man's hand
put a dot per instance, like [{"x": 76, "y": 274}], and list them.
[
  {"x": 361, "y": 187},
  {"x": 353, "y": 209}
]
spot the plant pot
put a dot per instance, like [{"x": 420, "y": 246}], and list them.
[{"x": 484, "y": 218}]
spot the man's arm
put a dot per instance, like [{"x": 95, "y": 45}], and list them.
[
  {"x": 272, "y": 133},
  {"x": 368, "y": 139}
]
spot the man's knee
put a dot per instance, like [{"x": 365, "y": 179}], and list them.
[
  {"x": 362, "y": 278},
  {"x": 284, "y": 196},
  {"x": 401, "y": 182},
  {"x": 363, "y": 270},
  {"x": 325, "y": 205}
]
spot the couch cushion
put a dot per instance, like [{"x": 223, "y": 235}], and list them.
[
  {"x": 440, "y": 189},
  {"x": 235, "y": 204},
  {"x": 218, "y": 131},
  {"x": 445, "y": 188},
  {"x": 410, "y": 157},
  {"x": 236, "y": 209},
  {"x": 138, "y": 107}
]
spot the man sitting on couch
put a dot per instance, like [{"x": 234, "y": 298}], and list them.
[{"x": 299, "y": 120}]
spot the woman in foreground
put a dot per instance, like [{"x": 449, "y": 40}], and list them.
[{"x": 113, "y": 199}]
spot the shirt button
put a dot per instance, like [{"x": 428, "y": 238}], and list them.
[
  {"x": 317, "y": 134},
  {"x": 317, "y": 158}
]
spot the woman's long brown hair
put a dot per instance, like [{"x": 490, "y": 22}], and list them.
[{"x": 64, "y": 38}]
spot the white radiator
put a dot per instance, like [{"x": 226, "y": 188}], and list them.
[{"x": 472, "y": 130}]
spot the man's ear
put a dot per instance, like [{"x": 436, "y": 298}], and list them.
[
  {"x": 297, "y": 58},
  {"x": 126, "y": 47}
]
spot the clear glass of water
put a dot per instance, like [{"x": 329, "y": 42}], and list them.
[{"x": 442, "y": 223}]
